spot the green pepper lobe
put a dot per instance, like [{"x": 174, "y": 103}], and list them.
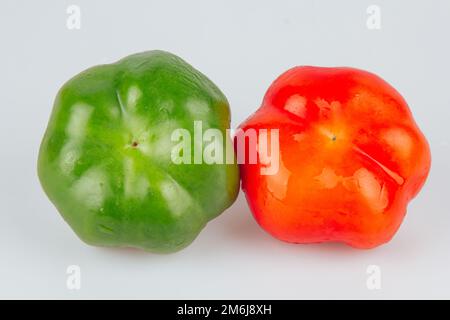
[{"x": 105, "y": 160}]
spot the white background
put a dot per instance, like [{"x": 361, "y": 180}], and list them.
[{"x": 242, "y": 46}]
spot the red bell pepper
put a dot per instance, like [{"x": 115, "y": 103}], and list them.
[{"x": 351, "y": 157}]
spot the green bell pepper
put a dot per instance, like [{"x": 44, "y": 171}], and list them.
[{"x": 105, "y": 160}]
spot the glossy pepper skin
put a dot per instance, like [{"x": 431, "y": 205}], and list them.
[
  {"x": 105, "y": 160},
  {"x": 351, "y": 158}
]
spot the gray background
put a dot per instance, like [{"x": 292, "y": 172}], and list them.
[{"x": 242, "y": 46}]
